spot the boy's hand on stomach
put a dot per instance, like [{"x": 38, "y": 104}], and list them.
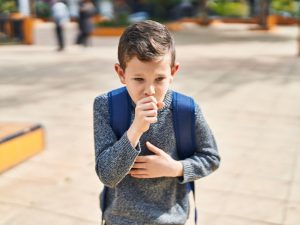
[{"x": 158, "y": 165}]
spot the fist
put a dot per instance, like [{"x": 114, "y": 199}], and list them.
[{"x": 146, "y": 113}]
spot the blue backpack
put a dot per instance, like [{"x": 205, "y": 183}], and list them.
[{"x": 183, "y": 119}]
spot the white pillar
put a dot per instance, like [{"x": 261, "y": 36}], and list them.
[
  {"x": 73, "y": 8},
  {"x": 106, "y": 8},
  {"x": 24, "y": 7}
]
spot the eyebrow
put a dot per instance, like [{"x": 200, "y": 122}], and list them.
[
  {"x": 138, "y": 75},
  {"x": 142, "y": 75}
]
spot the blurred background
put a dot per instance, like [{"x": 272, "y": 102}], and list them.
[
  {"x": 239, "y": 59},
  {"x": 16, "y": 15}
]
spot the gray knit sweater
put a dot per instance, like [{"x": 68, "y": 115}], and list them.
[{"x": 148, "y": 201}]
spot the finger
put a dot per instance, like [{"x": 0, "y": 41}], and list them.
[
  {"x": 141, "y": 159},
  {"x": 153, "y": 148},
  {"x": 148, "y": 106},
  {"x": 148, "y": 99},
  {"x": 141, "y": 176},
  {"x": 151, "y": 119},
  {"x": 137, "y": 172},
  {"x": 138, "y": 165},
  {"x": 150, "y": 113}
]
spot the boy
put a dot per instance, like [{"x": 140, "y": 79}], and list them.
[{"x": 143, "y": 173}]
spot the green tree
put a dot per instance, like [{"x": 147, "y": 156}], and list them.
[{"x": 8, "y": 6}]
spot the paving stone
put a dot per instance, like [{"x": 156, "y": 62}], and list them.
[
  {"x": 292, "y": 214},
  {"x": 294, "y": 196},
  {"x": 255, "y": 208},
  {"x": 240, "y": 221},
  {"x": 31, "y": 216}
]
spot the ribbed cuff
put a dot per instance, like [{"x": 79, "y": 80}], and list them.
[
  {"x": 187, "y": 172},
  {"x": 131, "y": 152}
]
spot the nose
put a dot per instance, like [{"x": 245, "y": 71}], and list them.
[{"x": 149, "y": 90}]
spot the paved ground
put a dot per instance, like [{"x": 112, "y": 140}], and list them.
[{"x": 248, "y": 84}]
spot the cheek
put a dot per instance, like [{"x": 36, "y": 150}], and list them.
[
  {"x": 133, "y": 95},
  {"x": 165, "y": 84},
  {"x": 135, "y": 92},
  {"x": 161, "y": 90}
]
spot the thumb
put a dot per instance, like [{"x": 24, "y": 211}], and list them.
[
  {"x": 160, "y": 105},
  {"x": 153, "y": 148}
]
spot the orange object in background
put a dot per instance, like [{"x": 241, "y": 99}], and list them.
[
  {"x": 18, "y": 142},
  {"x": 28, "y": 30},
  {"x": 26, "y": 27}
]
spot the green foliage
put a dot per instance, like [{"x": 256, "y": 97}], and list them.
[
  {"x": 7, "y": 6},
  {"x": 161, "y": 8},
  {"x": 160, "y": 12},
  {"x": 297, "y": 14},
  {"x": 229, "y": 8},
  {"x": 165, "y": 4},
  {"x": 120, "y": 21},
  {"x": 42, "y": 10},
  {"x": 285, "y": 7}
]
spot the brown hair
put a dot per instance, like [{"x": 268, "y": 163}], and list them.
[{"x": 147, "y": 40}]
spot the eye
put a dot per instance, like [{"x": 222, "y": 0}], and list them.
[
  {"x": 159, "y": 79},
  {"x": 138, "y": 79}
]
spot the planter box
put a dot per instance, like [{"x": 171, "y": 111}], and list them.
[
  {"x": 286, "y": 20},
  {"x": 18, "y": 26},
  {"x": 28, "y": 26},
  {"x": 19, "y": 142},
  {"x": 118, "y": 31},
  {"x": 108, "y": 31},
  {"x": 175, "y": 26}
]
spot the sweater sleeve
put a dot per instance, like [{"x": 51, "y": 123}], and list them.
[
  {"x": 206, "y": 158},
  {"x": 114, "y": 158}
]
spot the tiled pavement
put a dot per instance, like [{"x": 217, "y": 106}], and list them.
[{"x": 247, "y": 82}]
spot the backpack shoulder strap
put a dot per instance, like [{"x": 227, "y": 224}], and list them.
[
  {"x": 184, "y": 127},
  {"x": 184, "y": 124},
  {"x": 119, "y": 110}
]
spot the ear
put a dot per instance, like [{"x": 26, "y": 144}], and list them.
[
  {"x": 120, "y": 73},
  {"x": 174, "y": 70}
]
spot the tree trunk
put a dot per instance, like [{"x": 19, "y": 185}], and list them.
[
  {"x": 203, "y": 11},
  {"x": 264, "y": 14},
  {"x": 252, "y": 5}
]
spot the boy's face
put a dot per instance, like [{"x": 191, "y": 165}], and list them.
[{"x": 144, "y": 79}]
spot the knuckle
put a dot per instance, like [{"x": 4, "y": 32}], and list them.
[
  {"x": 153, "y": 98},
  {"x": 147, "y": 159},
  {"x": 154, "y": 105}
]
